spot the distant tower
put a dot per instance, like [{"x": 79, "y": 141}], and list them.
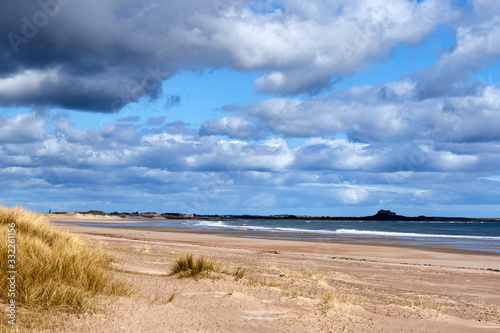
[{"x": 50, "y": 211}]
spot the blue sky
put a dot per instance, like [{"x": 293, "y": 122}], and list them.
[{"x": 325, "y": 107}]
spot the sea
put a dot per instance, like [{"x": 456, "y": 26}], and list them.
[{"x": 476, "y": 235}]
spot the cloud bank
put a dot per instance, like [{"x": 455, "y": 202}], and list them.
[
  {"x": 202, "y": 173},
  {"x": 99, "y": 56}
]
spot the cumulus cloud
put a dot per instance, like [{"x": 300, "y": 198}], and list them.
[
  {"x": 183, "y": 171},
  {"x": 322, "y": 154},
  {"x": 383, "y": 113},
  {"x": 54, "y": 54},
  {"x": 352, "y": 196},
  {"x": 117, "y": 145},
  {"x": 232, "y": 127},
  {"x": 475, "y": 48},
  {"x": 22, "y": 128}
]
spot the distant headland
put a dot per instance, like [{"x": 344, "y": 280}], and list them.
[{"x": 381, "y": 215}]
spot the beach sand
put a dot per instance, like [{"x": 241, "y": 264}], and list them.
[{"x": 287, "y": 285}]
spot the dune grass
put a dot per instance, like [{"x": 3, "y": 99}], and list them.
[
  {"x": 188, "y": 266},
  {"x": 55, "y": 269}
]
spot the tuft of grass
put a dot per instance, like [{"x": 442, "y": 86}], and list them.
[
  {"x": 55, "y": 269},
  {"x": 172, "y": 297},
  {"x": 239, "y": 273},
  {"x": 188, "y": 266},
  {"x": 336, "y": 301},
  {"x": 160, "y": 299},
  {"x": 425, "y": 303}
]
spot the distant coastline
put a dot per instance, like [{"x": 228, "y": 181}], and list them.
[
  {"x": 385, "y": 227},
  {"x": 381, "y": 215}
]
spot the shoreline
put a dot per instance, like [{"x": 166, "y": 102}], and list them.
[
  {"x": 431, "y": 245},
  {"x": 367, "y": 248},
  {"x": 390, "y": 237}
]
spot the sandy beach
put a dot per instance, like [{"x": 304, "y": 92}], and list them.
[{"x": 288, "y": 285}]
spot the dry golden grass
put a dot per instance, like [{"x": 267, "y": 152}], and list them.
[
  {"x": 188, "y": 266},
  {"x": 425, "y": 302},
  {"x": 335, "y": 300},
  {"x": 55, "y": 269}
]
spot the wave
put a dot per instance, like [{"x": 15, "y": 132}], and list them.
[
  {"x": 368, "y": 233},
  {"x": 209, "y": 224},
  {"x": 384, "y": 234},
  {"x": 220, "y": 224},
  {"x": 339, "y": 232}
]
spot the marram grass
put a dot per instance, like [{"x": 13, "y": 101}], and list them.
[
  {"x": 55, "y": 269},
  {"x": 188, "y": 266}
]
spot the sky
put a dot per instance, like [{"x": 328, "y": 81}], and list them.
[{"x": 319, "y": 107}]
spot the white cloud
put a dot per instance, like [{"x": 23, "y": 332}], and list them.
[
  {"x": 204, "y": 171},
  {"x": 232, "y": 127},
  {"x": 485, "y": 9},
  {"x": 27, "y": 82},
  {"x": 22, "y": 128},
  {"x": 318, "y": 154},
  {"x": 491, "y": 178},
  {"x": 383, "y": 113},
  {"x": 475, "y": 48},
  {"x": 352, "y": 196}
]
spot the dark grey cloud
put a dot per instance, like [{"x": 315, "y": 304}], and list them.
[
  {"x": 101, "y": 55},
  {"x": 93, "y": 56}
]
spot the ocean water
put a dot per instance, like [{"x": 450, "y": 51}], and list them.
[{"x": 472, "y": 235}]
